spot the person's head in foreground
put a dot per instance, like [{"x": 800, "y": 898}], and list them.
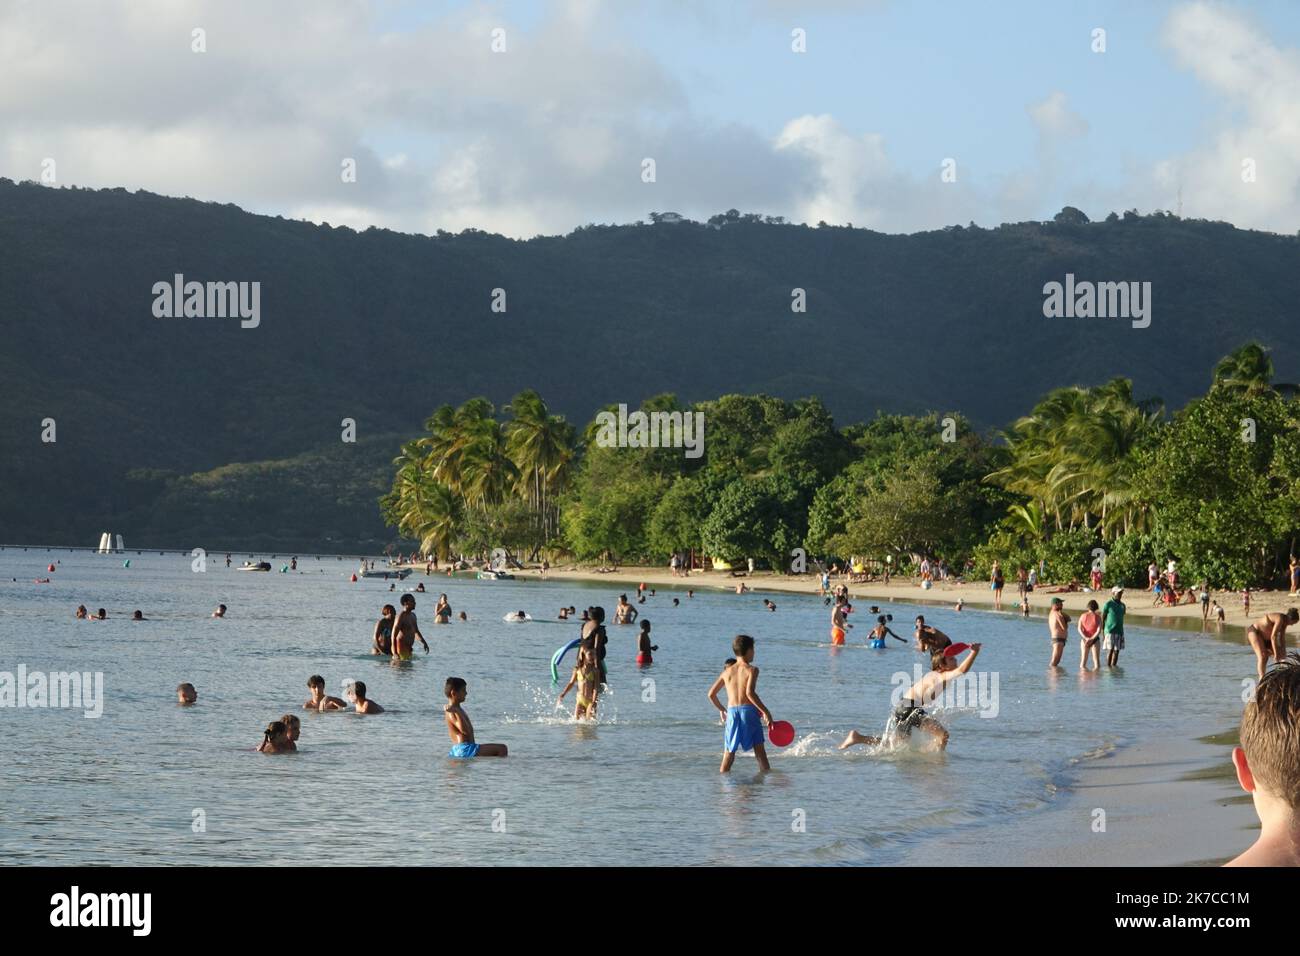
[
  {"x": 1268, "y": 766},
  {"x": 455, "y": 690},
  {"x": 276, "y": 739},
  {"x": 186, "y": 694},
  {"x": 407, "y": 601},
  {"x": 743, "y": 647},
  {"x": 940, "y": 661}
]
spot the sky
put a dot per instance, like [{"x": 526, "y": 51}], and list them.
[{"x": 1189, "y": 102}]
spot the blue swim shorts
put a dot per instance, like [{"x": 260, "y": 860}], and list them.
[
  {"x": 463, "y": 751},
  {"x": 744, "y": 728}
]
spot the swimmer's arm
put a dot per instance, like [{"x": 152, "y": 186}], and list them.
[
  {"x": 569, "y": 686},
  {"x": 964, "y": 666},
  {"x": 713, "y": 694}
]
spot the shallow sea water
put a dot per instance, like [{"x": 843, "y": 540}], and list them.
[{"x": 639, "y": 787}]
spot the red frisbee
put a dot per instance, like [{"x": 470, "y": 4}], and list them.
[
  {"x": 781, "y": 733},
  {"x": 952, "y": 650}
]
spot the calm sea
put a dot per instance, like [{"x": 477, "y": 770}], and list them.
[{"x": 639, "y": 787}]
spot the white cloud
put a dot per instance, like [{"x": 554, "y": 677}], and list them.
[{"x": 1258, "y": 85}]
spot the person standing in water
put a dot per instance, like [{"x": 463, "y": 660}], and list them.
[
  {"x": 382, "y": 639},
  {"x": 1089, "y": 628},
  {"x": 1112, "y": 626},
  {"x": 625, "y": 613},
  {"x": 997, "y": 582},
  {"x": 1058, "y": 628},
  {"x": 643, "y": 645},
  {"x": 406, "y": 629},
  {"x": 839, "y": 623},
  {"x": 442, "y": 611}
]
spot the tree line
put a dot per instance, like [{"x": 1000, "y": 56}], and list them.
[{"x": 1091, "y": 476}]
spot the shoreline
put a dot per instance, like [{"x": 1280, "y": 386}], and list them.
[{"x": 975, "y": 595}]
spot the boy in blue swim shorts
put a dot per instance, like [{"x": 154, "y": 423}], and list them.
[
  {"x": 745, "y": 713},
  {"x": 459, "y": 726}
]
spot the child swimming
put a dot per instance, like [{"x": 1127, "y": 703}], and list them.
[
  {"x": 319, "y": 699},
  {"x": 909, "y": 713},
  {"x": 186, "y": 694},
  {"x": 459, "y": 726},
  {"x": 746, "y": 714},
  {"x": 586, "y": 675},
  {"x": 292, "y": 722},
  {"x": 357, "y": 694}
]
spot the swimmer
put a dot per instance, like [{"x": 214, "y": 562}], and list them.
[
  {"x": 1089, "y": 628},
  {"x": 442, "y": 610},
  {"x": 276, "y": 739},
  {"x": 138, "y": 616},
  {"x": 769, "y": 605},
  {"x": 362, "y": 705},
  {"x": 643, "y": 645},
  {"x": 294, "y": 725},
  {"x": 186, "y": 694},
  {"x": 405, "y": 630},
  {"x": 382, "y": 639},
  {"x": 321, "y": 701},
  {"x": 1058, "y": 628},
  {"x": 882, "y": 630},
  {"x": 82, "y": 613},
  {"x": 909, "y": 714},
  {"x": 586, "y": 677},
  {"x": 838, "y": 624},
  {"x": 959, "y": 605},
  {"x": 625, "y": 613},
  {"x": 419, "y": 589},
  {"x": 690, "y": 593},
  {"x": 459, "y": 727},
  {"x": 746, "y": 714},
  {"x": 929, "y": 639},
  {"x": 220, "y": 611},
  {"x": 462, "y": 616},
  {"x": 1267, "y": 637},
  {"x": 564, "y": 614},
  {"x": 100, "y": 615},
  {"x": 676, "y": 602},
  {"x": 517, "y": 617}
]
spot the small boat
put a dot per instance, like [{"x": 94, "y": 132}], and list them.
[
  {"x": 400, "y": 574},
  {"x": 250, "y": 566},
  {"x": 495, "y": 576}
]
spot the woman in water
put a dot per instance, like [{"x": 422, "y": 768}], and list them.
[
  {"x": 442, "y": 613},
  {"x": 1089, "y": 628},
  {"x": 383, "y": 636},
  {"x": 276, "y": 739}
]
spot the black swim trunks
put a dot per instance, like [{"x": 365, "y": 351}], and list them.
[{"x": 906, "y": 717}]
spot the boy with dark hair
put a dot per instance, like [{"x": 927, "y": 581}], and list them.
[
  {"x": 459, "y": 726},
  {"x": 357, "y": 694},
  {"x": 746, "y": 714},
  {"x": 406, "y": 629},
  {"x": 319, "y": 699},
  {"x": 1268, "y": 766}
]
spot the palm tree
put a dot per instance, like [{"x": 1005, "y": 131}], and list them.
[
  {"x": 1248, "y": 371},
  {"x": 541, "y": 447}
]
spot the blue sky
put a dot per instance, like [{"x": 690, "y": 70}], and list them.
[{"x": 548, "y": 136}]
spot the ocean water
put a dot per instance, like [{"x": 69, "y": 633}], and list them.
[{"x": 641, "y": 786}]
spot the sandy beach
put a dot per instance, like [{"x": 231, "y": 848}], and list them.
[{"x": 974, "y": 594}]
